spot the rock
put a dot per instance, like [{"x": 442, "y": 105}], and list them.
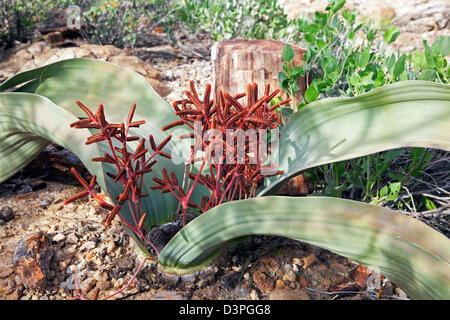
[
  {"x": 59, "y": 237},
  {"x": 32, "y": 258},
  {"x": 5, "y": 271},
  {"x": 6, "y": 214},
  {"x": 263, "y": 283},
  {"x": 296, "y": 186},
  {"x": 285, "y": 294}
]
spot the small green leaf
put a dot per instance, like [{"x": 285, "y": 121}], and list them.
[
  {"x": 391, "y": 34},
  {"x": 311, "y": 94},
  {"x": 355, "y": 80},
  {"x": 288, "y": 53},
  {"x": 281, "y": 78},
  {"x": 429, "y": 204},
  {"x": 399, "y": 66},
  {"x": 312, "y": 29},
  {"x": 419, "y": 60},
  {"x": 431, "y": 64},
  {"x": 364, "y": 58}
]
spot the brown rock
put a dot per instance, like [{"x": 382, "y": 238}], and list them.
[
  {"x": 31, "y": 260},
  {"x": 297, "y": 186},
  {"x": 263, "y": 283},
  {"x": 284, "y": 294}
]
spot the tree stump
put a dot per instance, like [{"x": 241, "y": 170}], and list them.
[{"x": 238, "y": 62}]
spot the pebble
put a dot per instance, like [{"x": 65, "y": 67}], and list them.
[
  {"x": 111, "y": 247},
  {"x": 72, "y": 239},
  {"x": 6, "y": 214},
  {"x": 289, "y": 276},
  {"x": 100, "y": 276},
  {"x": 89, "y": 245},
  {"x": 45, "y": 203},
  {"x": 59, "y": 237},
  {"x": 254, "y": 295}
]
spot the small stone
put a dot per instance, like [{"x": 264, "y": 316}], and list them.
[
  {"x": 285, "y": 294},
  {"x": 63, "y": 265},
  {"x": 6, "y": 214},
  {"x": 104, "y": 285},
  {"x": 297, "y": 261},
  {"x": 289, "y": 276},
  {"x": 236, "y": 268},
  {"x": 246, "y": 276},
  {"x": 71, "y": 239},
  {"x": 5, "y": 271},
  {"x": 88, "y": 245},
  {"x": 279, "y": 284},
  {"x": 111, "y": 247},
  {"x": 100, "y": 276},
  {"x": 45, "y": 203},
  {"x": 59, "y": 237},
  {"x": 309, "y": 260},
  {"x": 254, "y": 295}
]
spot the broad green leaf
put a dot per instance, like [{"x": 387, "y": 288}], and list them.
[
  {"x": 93, "y": 82},
  {"x": 403, "y": 114},
  {"x": 441, "y": 47},
  {"x": 411, "y": 254}
]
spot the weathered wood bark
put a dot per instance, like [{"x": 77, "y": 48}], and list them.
[{"x": 238, "y": 62}]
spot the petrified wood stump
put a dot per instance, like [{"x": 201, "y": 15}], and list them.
[{"x": 238, "y": 62}]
